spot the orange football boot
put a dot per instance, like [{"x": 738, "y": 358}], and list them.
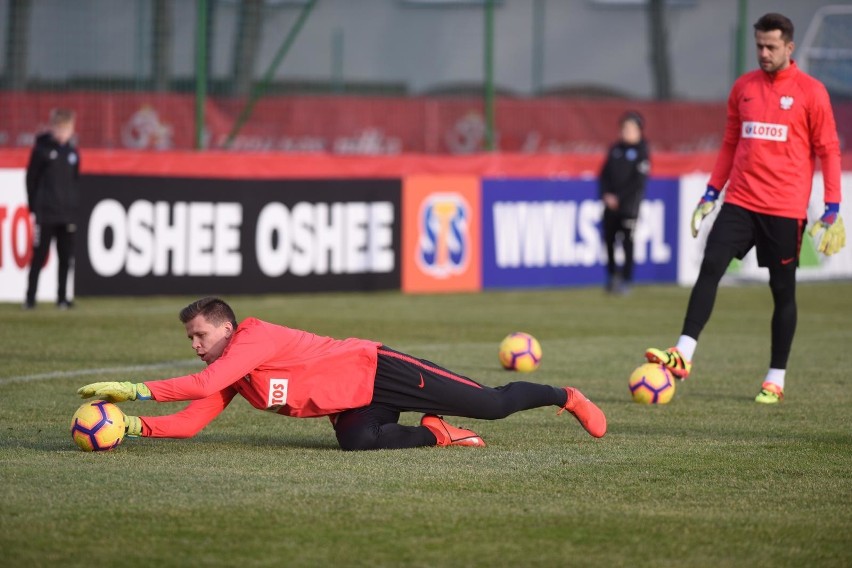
[
  {"x": 448, "y": 435},
  {"x": 770, "y": 393},
  {"x": 586, "y": 412}
]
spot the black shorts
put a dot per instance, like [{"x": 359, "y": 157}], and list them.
[{"x": 778, "y": 240}]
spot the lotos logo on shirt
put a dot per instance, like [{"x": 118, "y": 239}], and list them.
[
  {"x": 277, "y": 396},
  {"x": 765, "y": 131}
]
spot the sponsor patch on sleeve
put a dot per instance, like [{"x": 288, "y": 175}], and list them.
[{"x": 277, "y": 394}]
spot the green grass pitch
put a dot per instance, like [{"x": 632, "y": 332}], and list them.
[{"x": 712, "y": 479}]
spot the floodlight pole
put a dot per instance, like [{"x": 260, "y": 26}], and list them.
[
  {"x": 742, "y": 35},
  {"x": 489, "y": 75},
  {"x": 537, "y": 67},
  {"x": 257, "y": 92},
  {"x": 200, "y": 70}
]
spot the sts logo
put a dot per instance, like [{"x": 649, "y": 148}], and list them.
[{"x": 443, "y": 246}]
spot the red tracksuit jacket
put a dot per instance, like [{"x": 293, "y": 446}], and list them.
[
  {"x": 275, "y": 368},
  {"x": 777, "y": 123}
]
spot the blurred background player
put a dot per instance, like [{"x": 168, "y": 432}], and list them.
[
  {"x": 363, "y": 386},
  {"x": 779, "y": 118},
  {"x": 622, "y": 187},
  {"x": 52, "y": 193}
]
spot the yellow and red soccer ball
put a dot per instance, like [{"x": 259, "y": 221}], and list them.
[
  {"x": 520, "y": 352},
  {"x": 652, "y": 383},
  {"x": 97, "y": 426}
]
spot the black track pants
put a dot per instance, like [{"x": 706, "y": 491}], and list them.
[
  {"x": 407, "y": 384},
  {"x": 44, "y": 234}
]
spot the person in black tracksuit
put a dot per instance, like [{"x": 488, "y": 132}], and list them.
[
  {"x": 622, "y": 187},
  {"x": 52, "y": 193}
]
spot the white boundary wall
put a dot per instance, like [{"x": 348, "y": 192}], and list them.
[
  {"x": 14, "y": 242},
  {"x": 814, "y": 266},
  {"x": 15, "y": 245}
]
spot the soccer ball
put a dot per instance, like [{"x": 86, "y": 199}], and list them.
[
  {"x": 97, "y": 426},
  {"x": 520, "y": 352},
  {"x": 652, "y": 383}
]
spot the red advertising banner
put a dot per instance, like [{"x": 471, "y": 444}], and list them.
[
  {"x": 363, "y": 125},
  {"x": 441, "y": 236}
]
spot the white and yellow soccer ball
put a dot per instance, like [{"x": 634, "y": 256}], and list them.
[
  {"x": 520, "y": 352},
  {"x": 97, "y": 426},
  {"x": 652, "y": 383}
]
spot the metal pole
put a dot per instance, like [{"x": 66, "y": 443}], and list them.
[
  {"x": 489, "y": 75},
  {"x": 200, "y": 70},
  {"x": 537, "y": 66},
  {"x": 660, "y": 61},
  {"x": 742, "y": 36},
  {"x": 270, "y": 71},
  {"x": 337, "y": 51}
]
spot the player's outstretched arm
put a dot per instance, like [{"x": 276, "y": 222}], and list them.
[
  {"x": 115, "y": 391},
  {"x": 834, "y": 237}
]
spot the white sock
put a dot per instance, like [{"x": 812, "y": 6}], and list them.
[
  {"x": 686, "y": 345},
  {"x": 776, "y": 377}
]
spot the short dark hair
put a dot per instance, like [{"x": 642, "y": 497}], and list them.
[
  {"x": 632, "y": 116},
  {"x": 61, "y": 116},
  {"x": 215, "y": 310},
  {"x": 772, "y": 21}
]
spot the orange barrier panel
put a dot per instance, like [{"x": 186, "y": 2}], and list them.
[
  {"x": 239, "y": 165},
  {"x": 441, "y": 234},
  {"x": 230, "y": 165}
]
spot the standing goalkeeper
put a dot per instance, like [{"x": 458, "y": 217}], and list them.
[
  {"x": 53, "y": 193},
  {"x": 363, "y": 386},
  {"x": 622, "y": 186},
  {"x": 779, "y": 119}
]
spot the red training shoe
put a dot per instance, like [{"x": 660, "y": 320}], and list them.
[
  {"x": 450, "y": 435},
  {"x": 586, "y": 412}
]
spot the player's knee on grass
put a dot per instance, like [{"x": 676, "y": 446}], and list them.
[{"x": 358, "y": 439}]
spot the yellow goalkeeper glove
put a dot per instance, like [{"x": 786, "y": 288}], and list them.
[
  {"x": 705, "y": 206},
  {"x": 834, "y": 237},
  {"x": 116, "y": 392}
]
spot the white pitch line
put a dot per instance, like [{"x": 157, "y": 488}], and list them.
[{"x": 97, "y": 371}]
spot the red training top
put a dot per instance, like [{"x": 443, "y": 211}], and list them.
[
  {"x": 776, "y": 124},
  {"x": 275, "y": 368}
]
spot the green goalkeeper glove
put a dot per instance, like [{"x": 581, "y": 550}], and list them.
[
  {"x": 705, "y": 207},
  {"x": 834, "y": 237},
  {"x": 116, "y": 392},
  {"x": 132, "y": 426}
]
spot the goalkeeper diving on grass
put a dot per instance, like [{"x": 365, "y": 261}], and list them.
[
  {"x": 361, "y": 385},
  {"x": 779, "y": 120}
]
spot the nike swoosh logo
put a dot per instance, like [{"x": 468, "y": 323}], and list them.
[
  {"x": 422, "y": 382},
  {"x": 786, "y": 261}
]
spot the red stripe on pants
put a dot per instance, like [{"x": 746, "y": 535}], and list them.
[{"x": 429, "y": 368}]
